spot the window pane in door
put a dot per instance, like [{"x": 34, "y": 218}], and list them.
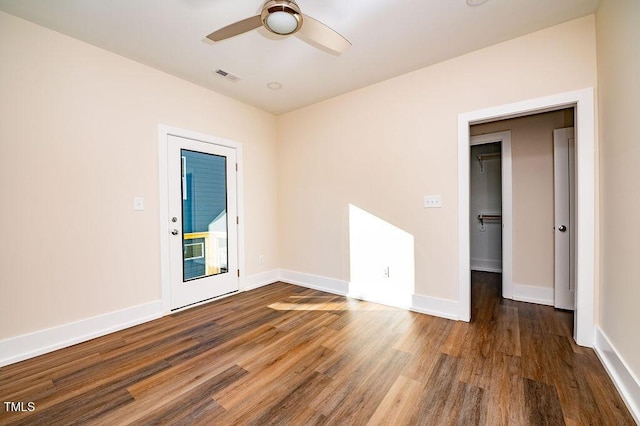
[{"x": 204, "y": 214}]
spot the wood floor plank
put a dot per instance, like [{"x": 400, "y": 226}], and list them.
[
  {"x": 258, "y": 399},
  {"x": 285, "y": 410},
  {"x": 350, "y": 370},
  {"x": 472, "y": 406},
  {"x": 542, "y": 406},
  {"x": 534, "y": 364},
  {"x": 258, "y": 383},
  {"x": 151, "y": 406},
  {"x": 422, "y": 363},
  {"x": 550, "y": 320},
  {"x": 478, "y": 361},
  {"x": 359, "y": 406},
  {"x": 575, "y": 394},
  {"x": 58, "y": 359},
  {"x": 42, "y": 379},
  {"x": 268, "y": 354},
  {"x": 28, "y": 390},
  {"x": 412, "y": 338},
  {"x": 71, "y": 390},
  {"x": 397, "y": 406},
  {"x": 194, "y": 405},
  {"x": 507, "y": 332},
  {"x": 506, "y": 391},
  {"x": 287, "y": 355},
  {"x": 609, "y": 402},
  {"x": 455, "y": 345},
  {"x": 210, "y": 362},
  {"x": 438, "y": 390}
]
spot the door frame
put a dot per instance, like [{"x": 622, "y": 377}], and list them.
[
  {"x": 583, "y": 101},
  {"x": 163, "y": 197},
  {"x": 507, "y": 203}
]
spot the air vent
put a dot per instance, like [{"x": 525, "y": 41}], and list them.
[{"x": 227, "y": 75}]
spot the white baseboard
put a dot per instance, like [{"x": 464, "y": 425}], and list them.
[
  {"x": 316, "y": 282},
  {"x": 386, "y": 302},
  {"x": 532, "y": 294},
  {"x": 19, "y": 348},
  {"x": 623, "y": 377},
  {"x": 254, "y": 281},
  {"x": 486, "y": 265},
  {"x": 423, "y": 304},
  {"x": 435, "y": 306}
]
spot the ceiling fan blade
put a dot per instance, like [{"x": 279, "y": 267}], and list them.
[
  {"x": 236, "y": 28},
  {"x": 318, "y": 33}
]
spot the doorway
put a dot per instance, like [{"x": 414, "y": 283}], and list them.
[
  {"x": 491, "y": 231},
  {"x": 531, "y": 205},
  {"x": 199, "y": 217},
  {"x": 583, "y": 101}
]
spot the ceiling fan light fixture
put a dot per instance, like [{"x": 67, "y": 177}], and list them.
[
  {"x": 281, "y": 23},
  {"x": 281, "y": 17}
]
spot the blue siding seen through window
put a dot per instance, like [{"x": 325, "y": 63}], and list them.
[{"x": 204, "y": 209}]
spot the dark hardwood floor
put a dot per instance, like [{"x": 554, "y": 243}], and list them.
[{"x": 287, "y": 355}]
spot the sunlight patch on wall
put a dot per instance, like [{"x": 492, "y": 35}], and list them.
[{"x": 382, "y": 260}]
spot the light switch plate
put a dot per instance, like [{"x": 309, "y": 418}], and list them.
[{"x": 432, "y": 201}]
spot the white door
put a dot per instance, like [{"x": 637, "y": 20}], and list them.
[
  {"x": 203, "y": 236},
  {"x": 564, "y": 216}
]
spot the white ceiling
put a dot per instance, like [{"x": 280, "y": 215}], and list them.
[{"x": 389, "y": 37}]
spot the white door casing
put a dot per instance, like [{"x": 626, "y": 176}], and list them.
[
  {"x": 583, "y": 101},
  {"x": 564, "y": 206}
]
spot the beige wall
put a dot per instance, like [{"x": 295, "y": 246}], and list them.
[
  {"x": 78, "y": 140},
  {"x": 618, "y": 32},
  {"x": 532, "y": 179},
  {"x": 384, "y": 147}
]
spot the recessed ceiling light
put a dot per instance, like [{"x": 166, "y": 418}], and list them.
[
  {"x": 476, "y": 2},
  {"x": 274, "y": 85}
]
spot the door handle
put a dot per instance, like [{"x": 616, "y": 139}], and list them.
[
  {"x": 174, "y": 232},
  {"x": 562, "y": 228}
]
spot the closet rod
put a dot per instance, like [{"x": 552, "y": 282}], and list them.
[
  {"x": 483, "y": 217},
  {"x": 489, "y": 156}
]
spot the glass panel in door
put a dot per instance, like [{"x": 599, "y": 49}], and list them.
[{"x": 204, "y": 215}]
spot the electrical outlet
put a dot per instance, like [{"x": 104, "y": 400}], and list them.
[
  {"x": 385, "y": 272},
  {"x": 138, "y": 203},
  {"x": 261, "y": 259}
]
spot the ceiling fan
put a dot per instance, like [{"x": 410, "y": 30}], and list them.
[{"x": 283, "y": 17}]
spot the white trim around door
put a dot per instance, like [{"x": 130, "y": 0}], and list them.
[
  {"x": 163, "y": 133},
  {"x": 583, "y": 101}
]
